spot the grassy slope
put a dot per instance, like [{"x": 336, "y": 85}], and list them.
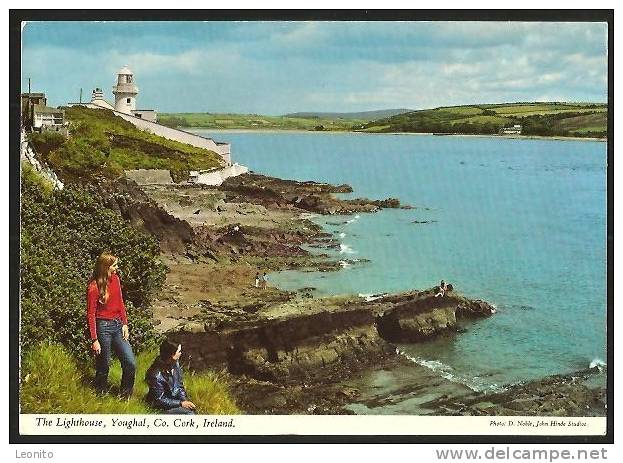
[
  {"x": 101, "y": 141},
  {"x": 549, "y": 117},
  {"x": 362, "y": 115},
  {"x": 53, "y": 382},
  {"x": 255, "y": 121},
  {"x": 55, "y": 379}
]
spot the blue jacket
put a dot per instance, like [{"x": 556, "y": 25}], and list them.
[{"x": 166, "y": 389}]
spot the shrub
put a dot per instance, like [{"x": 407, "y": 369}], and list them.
[
  {"x": 46, "y": 142},
  {"x": 62, "y": 234},
  {"x": 53, "y": 382}
]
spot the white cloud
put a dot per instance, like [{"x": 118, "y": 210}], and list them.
[{"x": 290, "y": 66}]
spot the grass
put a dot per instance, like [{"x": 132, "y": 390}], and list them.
[
  {"x": 100, "y": 141},
  {"x": 256, "y": 122},
  {"x": 461, "y": 110},
  {"x": 585, "y": 123},
  {"x": 53, "y": 382},
  {"x": 540, "y": 108},
  {"x": 480, "y": 119}
]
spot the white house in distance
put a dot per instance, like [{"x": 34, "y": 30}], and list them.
[
  {"x": 126, "y": 93},
  {"x": 514, "y": 130}
]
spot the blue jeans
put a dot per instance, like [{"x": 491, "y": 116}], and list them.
[{"x": 110, "y": 338}]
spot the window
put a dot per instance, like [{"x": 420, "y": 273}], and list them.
[
  {"x": 128, "y": 101},
  {"x": 129, "y": 79}
]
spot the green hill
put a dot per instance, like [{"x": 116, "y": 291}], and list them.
[
  {"x": 362, "y": 115},
  {"x": 538, "y": 118},
  {"x": 256, "y": 122}
]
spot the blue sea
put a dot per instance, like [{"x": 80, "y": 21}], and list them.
[{"x": 519, "y": 223}]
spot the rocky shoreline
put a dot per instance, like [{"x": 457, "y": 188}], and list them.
[{"x": 288, "y": 352}]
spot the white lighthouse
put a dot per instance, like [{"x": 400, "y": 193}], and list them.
[{"x": 125, "y": 91}]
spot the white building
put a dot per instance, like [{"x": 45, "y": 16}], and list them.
[
  {"x": 97, "y": 99},
  {"x": 126, "y": 93},
  {"x": 514, "y": 130}
]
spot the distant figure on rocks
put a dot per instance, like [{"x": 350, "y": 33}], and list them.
[
  {"x": 257, "y": 280},
  {"x": 166, "y": 388},
  {"x": 263, "y": 280},
  {"x": 442, "y": 289}
]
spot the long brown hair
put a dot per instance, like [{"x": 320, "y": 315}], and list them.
[{"x": 101, "y": 274}]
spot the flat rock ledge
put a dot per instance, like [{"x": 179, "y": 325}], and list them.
[{"x": 322, "y": 343}]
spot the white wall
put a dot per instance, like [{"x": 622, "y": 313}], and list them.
[
  {"x": 27, "y": 153},
  {"x": 216, "y": 177},
  {"x": 223, "y": 149},
  {"x": 147, "y": 114},
  {"x": 121, "y": 102}
]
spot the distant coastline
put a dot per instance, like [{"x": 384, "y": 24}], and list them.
[
  {"x": 522, "y": 120},
  {"x": 517, "y": 137}
]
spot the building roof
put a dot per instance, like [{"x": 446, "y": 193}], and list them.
[
  {"x": 40, "y": 109},
  {"x": 125, "y": 70}
]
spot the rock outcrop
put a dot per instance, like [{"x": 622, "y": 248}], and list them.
[
  {"x": 418, "y": 317},
  {"x": 309, "y": 196},
  {"x": 582, "y": 393},
  {"x": 326, "y": 342}
]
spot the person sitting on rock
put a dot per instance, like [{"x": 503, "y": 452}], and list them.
[
  {"x": 442, "y": 289},
  {"x": 166, "y": 388}
]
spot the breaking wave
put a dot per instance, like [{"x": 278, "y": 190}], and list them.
[
  {"x": 346, "y": 249},
  {"x": 372, "y": 297},
  {"x": 446, "y": 371},
  {"x": 354, "y": 219},
  {"x": 597, "y": 363}
]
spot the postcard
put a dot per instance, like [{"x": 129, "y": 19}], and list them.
[{"x": 361, "y": 226}]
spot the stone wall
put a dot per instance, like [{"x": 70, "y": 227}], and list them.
[{"x": 150, "y": 176}]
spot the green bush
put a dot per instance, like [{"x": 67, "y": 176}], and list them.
[
  {"x": 53, "y": 382},
  {"x": 172, "y": 121},
  {"x": 62, "y": 234},
  {"x": 46, "y": 142}
]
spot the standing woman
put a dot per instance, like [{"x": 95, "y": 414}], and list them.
[{"x": 108, "y": 324}]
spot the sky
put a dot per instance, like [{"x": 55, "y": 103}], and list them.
[{"x": 285, "y": 66}]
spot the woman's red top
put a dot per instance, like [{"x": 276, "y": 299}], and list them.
[{"x": 113, "y": 308}]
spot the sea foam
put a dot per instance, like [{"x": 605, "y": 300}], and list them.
[
  {"x": 597, "y": 363},
  {"x": 446, "y": 371},
  {"x": 346, "y": 249},
  {"x": 354, "y": 219}
]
